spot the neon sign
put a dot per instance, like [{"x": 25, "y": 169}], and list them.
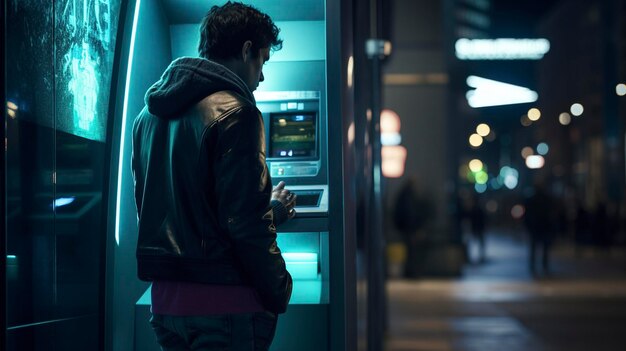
[
  {"x": 490, "y": 92},
  {"x": 501, "y": 49}
]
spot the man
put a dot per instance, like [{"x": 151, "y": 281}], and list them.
[{"x": 207, "y": 212}]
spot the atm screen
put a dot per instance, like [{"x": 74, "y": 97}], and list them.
[{"x": 293, "y": 135}]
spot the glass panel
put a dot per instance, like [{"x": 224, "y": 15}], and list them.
[
  {"x": 60, "y": 57},
  {"x": 85, "y": 45},
  {"x": 30, "y": 164}
]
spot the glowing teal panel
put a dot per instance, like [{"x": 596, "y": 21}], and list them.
[
  {"x": 184, "y": 39},
  {"x": 302, "y": 41},
  {"x": 301, "y": 265},
  {"x": 85, "y": 48},
  {"x": 300, "y": 257},
  {"x": 146, "y": 298},
  {"x": 306, "y": 292}
]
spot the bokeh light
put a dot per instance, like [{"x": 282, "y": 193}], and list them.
[
  {"x": 527, "y": 151},
  {"x": 11, "y": 105},
  {"x": 496, "y": 183},
  {"x": 577, "y": 109},
  {"x": 565, "y": 118},
  {"x": 525, "y": 121},
  {"x": 543, "y": 149},
  {"x": 480, "y": 188},
  {"x": 483, "y": 129},
  {"x": 475, "y": 140},
  {"x": 475, "y": 165},
  {"x": 534, "y": 114},
  {"x": 492, "y": 206},
  {"x": 518, "y": 211},
  {"x": 482, "y": 177},
  {"x": 620, "y": 89},
  {"x": 510, "y": 182},
  {"x": 389, "y": 121},
  {"x": 393, "y": 161},
  {"x": 509, "y": 177},
  {"x": 535, "y": 161}
]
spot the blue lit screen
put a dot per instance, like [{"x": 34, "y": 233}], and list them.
[
  {"x": 293, "y": 135},
  {"x": 85, "y": 35}
]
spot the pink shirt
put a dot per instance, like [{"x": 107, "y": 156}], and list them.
[{"x": 192, "y": 299}]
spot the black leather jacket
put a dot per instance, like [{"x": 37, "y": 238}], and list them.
[{"x": 202, "y": 187}]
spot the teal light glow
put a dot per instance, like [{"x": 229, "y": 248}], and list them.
[
  {"x": 123, "y": 132},
  {"x": 301, "y": 266},
  {"x": 84, "y": 88},
  {"x": 481, "y": 177},
  {"x": 85, "y": 29},
  {"x": 300, "y": 257},
  {"x": 480, "y": 188},
  {"x": 11, "y": 261},
  {"x": 542, "y": 149},
  {"x": 63, "y": 201},
  {"x": 306, "y": 292}
]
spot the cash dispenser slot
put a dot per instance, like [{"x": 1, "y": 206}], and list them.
[
  {"x": 308, "y": 198},
  {"x": 305, "y": 258},
  {"x": 302, "y": 265},
  {"x": 312, "y": 200}
]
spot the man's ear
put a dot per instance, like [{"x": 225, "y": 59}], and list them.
[{"x": 246, "y": 50}]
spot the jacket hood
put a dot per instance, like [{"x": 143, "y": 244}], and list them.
[{"x": 187, "y": 81}]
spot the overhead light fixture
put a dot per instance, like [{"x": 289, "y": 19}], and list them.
[{"x": 490, "y": 92}]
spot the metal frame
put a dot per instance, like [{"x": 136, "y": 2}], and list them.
[
  {"x": 120, "y": 67},
  {"x": 342, "y": 328},
  {"x": 3, "y": 253}
]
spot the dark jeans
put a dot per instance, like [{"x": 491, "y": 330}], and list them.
[{"x": 231, "y": 332}]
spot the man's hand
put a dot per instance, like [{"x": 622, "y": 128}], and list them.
[{"x": 286, "y": 197}]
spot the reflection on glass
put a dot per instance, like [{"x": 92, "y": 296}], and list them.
[
  {"x": 57, "y": 100},
  {"x": 85, "y": 45}
]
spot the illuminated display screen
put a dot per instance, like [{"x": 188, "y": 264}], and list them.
[
  {"x": 85, "y": 46},
  {"x": 293, "y": 135},
  {"x": 66, "y": 48}
]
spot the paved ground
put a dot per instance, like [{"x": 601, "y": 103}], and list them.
[{"x": 497, "y": 305}]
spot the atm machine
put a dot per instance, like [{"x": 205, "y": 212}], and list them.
[{"x": 305, "y": 102}]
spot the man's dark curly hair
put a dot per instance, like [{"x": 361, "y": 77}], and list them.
[{"x": 225, "y": 28}]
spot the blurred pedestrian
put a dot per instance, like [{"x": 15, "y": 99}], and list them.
[
  {"x": 478, "y": 223},
  {"x": 410, "y": 214},
  {"x": 540, "y": 223}
]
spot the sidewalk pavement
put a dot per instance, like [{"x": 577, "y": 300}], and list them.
[{"x": 498, "y": 305}]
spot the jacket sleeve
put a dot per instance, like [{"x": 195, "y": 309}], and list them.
[
  {"x": 280, "y": 212},
  {"x": 243, "y": 189}
]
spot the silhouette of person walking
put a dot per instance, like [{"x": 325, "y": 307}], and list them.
[
  {"x": 539, "y": 220},
  {"x": 411, "y": 212},
  {"x": 478, "y": 223}
]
